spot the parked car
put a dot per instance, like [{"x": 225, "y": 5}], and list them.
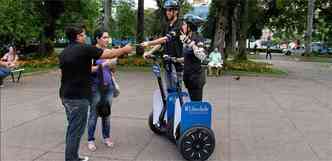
[
  {"x": 319, "y": 48},
  {"x": 120, "y": 42},
  {"x": 294, "y": 51},
  {"x": 316, "y": 47},
  {"x": 329, "y": 50}
]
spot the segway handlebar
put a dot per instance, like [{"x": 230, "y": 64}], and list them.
[
  {"x": 133, "y": 46},
  {"x": 152, "y": 57},
  {"x": 173, "y": 59},
  {"x": 166, "y": 58}
]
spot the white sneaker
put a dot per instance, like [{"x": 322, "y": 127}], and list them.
[
  {"x": 92, "y": 146},
  {"x": 83, "y": 159},
  {"x": 108, "y": 142}
]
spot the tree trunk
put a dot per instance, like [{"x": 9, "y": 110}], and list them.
[
  {"x": 308, "y": 35},
  {"x": 46, "y": 46},
  {"x": 160, "y": 14},
  {"x": 42, "y": 45},
  {"x": 219, "y": 36},
  {"x": 228, "y": 39},
  {"x": 220, "y": 29},
  {"x": 50, "y": 11},
  {"x": 107, "y": 15},
  {"x": 234, "y": 28},
  {"x": 243, "y": 31},
  {"x": 140, "y": 26}
]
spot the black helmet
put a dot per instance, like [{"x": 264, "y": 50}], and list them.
[
  {"x": 193, "y": 21},
  {"x": 171, "y": 4}
]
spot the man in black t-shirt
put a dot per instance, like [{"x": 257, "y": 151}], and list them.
[
  {"x": 171, "y": 41},
  {"x": 75, "y": 90}
]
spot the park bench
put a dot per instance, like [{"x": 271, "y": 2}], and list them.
[
  {"x": 17, "y": 72},
  {"x": 217, "y": 71}
]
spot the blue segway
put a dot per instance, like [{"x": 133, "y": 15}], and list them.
[{"x": 187, "y": 123}]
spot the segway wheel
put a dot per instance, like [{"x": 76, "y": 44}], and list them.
[
  {"x": 153, "y": 127},
  {"x": 197, "y": 143}
]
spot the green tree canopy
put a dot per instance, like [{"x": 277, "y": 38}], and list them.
[
  {"x": 20, "y": 22},
  {"x": 288, "y": 20},
  {"x": 80, "y": 11},
  {"x": 125, "y": 20},
  {"x": 23, "y": 21}
]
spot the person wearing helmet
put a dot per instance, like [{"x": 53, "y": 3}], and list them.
[
  {"x": 170, "y": 41},
  {"x": 194, "y": 54}
]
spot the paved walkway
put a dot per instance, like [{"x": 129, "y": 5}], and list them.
[{"x": 254, "y": 119}]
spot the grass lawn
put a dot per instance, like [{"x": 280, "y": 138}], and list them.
[
  {"x": 273, "y": 73},
  {"x": 321, "y": 59},
  {"x": 249, "y": 67}
]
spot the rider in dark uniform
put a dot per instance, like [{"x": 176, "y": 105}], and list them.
[
  {"x": 194, "y": 54},
  {"x": 171, "y": 41}
]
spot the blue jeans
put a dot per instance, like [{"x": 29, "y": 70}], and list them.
[
  {"x": 76, "y": 111},
  {"x": 106, "y": 122},
  {"x": 4, "y": 72}
]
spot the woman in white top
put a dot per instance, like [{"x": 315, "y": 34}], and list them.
[{"x": 11, "y": 58}]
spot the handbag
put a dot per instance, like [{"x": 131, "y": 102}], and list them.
[{"x": 103, "y": 108}]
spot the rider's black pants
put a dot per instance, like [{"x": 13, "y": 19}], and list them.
[
  {"x": 196, "y": 94},
  {"x": 194, "y": 83}
]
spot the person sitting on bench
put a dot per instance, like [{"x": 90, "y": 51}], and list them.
[
  {"x": 7, "y": 63},
  {"x": 11, "y": 58},
  {"x": 215, "y": 60}
]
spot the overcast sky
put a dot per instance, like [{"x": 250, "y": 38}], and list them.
[{"x": 149, "y": 4}]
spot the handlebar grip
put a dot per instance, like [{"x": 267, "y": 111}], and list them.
[
  {"x": 169, "y": 58},
  {"x": 153, "y": 57}
]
